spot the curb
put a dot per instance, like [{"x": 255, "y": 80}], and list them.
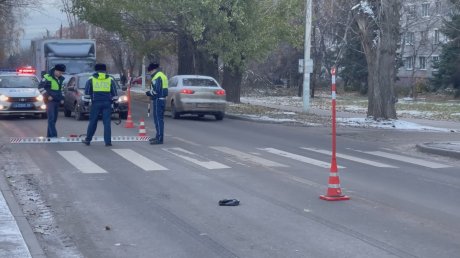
[
  {"x": 30, "y": 239},
  {"x": 425, "y": 147}
]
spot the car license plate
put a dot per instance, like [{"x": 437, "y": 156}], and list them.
[
  {"x": 22, "y": 105},
  {"x": 202, "y": 105}
]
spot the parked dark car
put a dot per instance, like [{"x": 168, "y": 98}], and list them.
[{"x": 74, "y": 91}]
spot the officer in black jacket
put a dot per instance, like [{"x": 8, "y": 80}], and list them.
[{"x": 51, "y": 89}]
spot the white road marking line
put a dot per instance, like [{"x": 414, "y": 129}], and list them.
[
  {"x": 300, "y": 158},
  {"x": 248, "y": 157},
  {"x": 205, "y": 164},
  {"x": 186, "y": 141},
  {"x": 407, "y": 159},
  {"x": 81, "y": 162},
  {"x": 352, "y": 158},
  {"x": 139, "y": 160}
]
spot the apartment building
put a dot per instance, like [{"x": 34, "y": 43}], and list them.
[{"x": 422, "y": 39}]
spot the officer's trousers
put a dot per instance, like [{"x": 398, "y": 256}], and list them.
[
  {"x": 52, "y": 111},
  {"x": 98, "y": 107},
  {"x": 158, "y": 118}
]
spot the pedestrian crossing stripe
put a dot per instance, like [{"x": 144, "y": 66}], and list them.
[
  {"x": 352, "y": 158},
  {"x": 192, "y": 157},
  {"x": 300, "y": 158},
  {"x": 147, "y": 163},
  {"x": 407, "y": 159},
  {"x": 248, "y": 157},
  {"x": 17, "y": 140},
  {"x": 82, "y": 163},
  {"x": 139, "y": 160}
]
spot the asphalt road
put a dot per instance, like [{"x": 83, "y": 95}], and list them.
[{"x": 139, "y": 200}]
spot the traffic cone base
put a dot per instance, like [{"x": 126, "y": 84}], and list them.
[
  {"x": 334, "y": 198},
  {"x": 129, "y": 122}
]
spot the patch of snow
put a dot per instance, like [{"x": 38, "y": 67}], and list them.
[{"x": 389, "y": 124}]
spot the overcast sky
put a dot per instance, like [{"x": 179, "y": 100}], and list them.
[{"x": 48, "y": 17}]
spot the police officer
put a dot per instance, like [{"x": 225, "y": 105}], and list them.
[
  {"x": 158, "y": 93},
  {"x": 101, "y": 90},
  {"x": 51, "y": 89}
]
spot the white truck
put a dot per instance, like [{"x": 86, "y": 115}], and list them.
[{"x": 79, "y": 55}]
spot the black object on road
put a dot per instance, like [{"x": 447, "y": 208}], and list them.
[{"x": 229, "y": 202}]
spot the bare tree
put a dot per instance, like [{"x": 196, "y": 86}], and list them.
[
  {"x": 379, "y": 28},
  {"x": 10, "y": 17}
]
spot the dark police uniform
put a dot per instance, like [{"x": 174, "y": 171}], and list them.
[
  {"x": 51, "y": 86},
  {"x": 101, "y": 90}
]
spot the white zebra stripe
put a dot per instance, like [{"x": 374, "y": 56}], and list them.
[{"x": 348, "y": 157}]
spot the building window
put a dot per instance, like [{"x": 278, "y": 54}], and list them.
[
  {"x": 411, "y": 10},
  {"x": 434, "y": 61},
  {"x": 437, "y": 9},
  {"x": 423, "y": 37},
  {"x": 409, "y": 38},
  {"x": 409, "y": 62},
  {"x": 422, "y": 62},
  {"x": 436, "y": 36},
  {"x": 425, "y": 9}
]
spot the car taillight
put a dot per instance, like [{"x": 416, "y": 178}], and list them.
[
  {"x": 26, "y": 70},
  {"x": 186, "y": 91},
  {"x": 219, "y": 92}
]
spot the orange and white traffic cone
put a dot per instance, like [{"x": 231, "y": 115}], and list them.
[
  {"x": 142, "y": 131},
  {"x": 334, "y": 192}
]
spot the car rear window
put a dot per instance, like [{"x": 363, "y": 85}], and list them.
[
  {"x": 199, "y": 82},
  {"x": 14, "y": 81}
]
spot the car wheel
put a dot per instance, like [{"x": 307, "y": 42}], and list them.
[
  {"x": 174, "y": 112},
  {"x": 219, "y": 116},
  {"x": 67, "y": 113},
  {"x": 123, "y": 115},
  {"x": 78, "y": 114}
]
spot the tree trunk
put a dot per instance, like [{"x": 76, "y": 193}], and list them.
[
  {"x": 232, "y": 84},
  {"x": 185, "y": 54},
  {"x": 380, "y": 53},
  {"x": 207, "y": 65}
]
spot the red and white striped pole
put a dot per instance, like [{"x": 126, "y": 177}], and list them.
[
  {"x": 129, "y": 121},
  {"x": 334, "y": 192}
]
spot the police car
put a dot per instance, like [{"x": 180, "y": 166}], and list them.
[{"x": 19, "y": 93}]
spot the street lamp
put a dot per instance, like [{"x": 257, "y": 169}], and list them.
[{"x": 307, "y": 62}]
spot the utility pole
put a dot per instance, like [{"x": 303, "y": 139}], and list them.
[
  {"x": 308, "y": 63},
  {"x": 143, "y": 73}
]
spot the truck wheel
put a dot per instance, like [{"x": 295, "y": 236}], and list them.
[
  {"x": 219, "y": 116},
  {"x": 123, "y": 115},
  {"x": 67, "y": 113}
]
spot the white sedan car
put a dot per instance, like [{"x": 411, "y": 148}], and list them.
[
  {"x": 195, "y": 94},
  {"x": 19, "y": 95}
]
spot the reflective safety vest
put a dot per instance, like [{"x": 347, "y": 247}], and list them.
[
  {"x": 101, "y": 85},
  {"x": 164, "y": 79},
  {"x": 54, "y": 83}
]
